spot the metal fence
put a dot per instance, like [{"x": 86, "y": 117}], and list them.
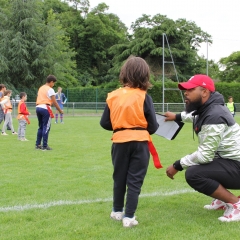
[{"x": 96, "y": 108}]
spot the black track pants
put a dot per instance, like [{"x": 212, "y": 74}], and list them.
[
  {"x": 130, "y": 162},
  {"x": 206, "y": 178}
]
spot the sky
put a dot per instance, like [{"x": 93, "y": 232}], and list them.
[{"x": 219, "y": 18}]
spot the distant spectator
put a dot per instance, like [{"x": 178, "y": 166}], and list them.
[
  {"x": 60, "y": 98},
  {"x": 231, "y": 105}
]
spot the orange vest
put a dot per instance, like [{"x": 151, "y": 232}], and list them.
[
  {"x": 42, "y": 97},
  {"x": 7, "y": 105},
  {"x": 21, "y": 116},
  {"x": 126, "y": 112}
]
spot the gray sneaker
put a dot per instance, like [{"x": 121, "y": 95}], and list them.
[
  {"x": 38, "y": 147},
  {"x": 46, "y": 148}
]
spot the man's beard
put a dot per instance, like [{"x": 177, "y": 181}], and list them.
[{"x": 192, "y": 106}]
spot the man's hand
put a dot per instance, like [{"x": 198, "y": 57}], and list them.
[
  {"x": 171, "y": 171},
  {"x": 170, "y": 116}
]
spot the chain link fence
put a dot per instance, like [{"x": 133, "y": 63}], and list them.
[{"x": 96, "y": 108}]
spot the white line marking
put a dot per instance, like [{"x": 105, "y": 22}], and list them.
[{"x": 80, "y": 202}]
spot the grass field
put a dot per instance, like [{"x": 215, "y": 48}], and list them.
[{"x": 66, "y": 194}]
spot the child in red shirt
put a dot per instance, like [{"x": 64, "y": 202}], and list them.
[{"x": 22, "y": 117}]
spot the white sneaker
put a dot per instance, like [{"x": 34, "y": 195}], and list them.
[
  {"x": 14, "y": 133},
  {"x": 116, "y": 216},
  {"x": 232, "y": 213},
  {"x": 129, "y": 222},
  {"x": 216, "y": 205},
  {"x": 4, "y": 134},
  {"x": 24, "y": 139}
]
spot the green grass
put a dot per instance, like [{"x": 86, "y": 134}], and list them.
[{"x": 78, "y": 172}]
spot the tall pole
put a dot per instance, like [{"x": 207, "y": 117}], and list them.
[
  {"x": 163, "y": 74},
  {"x": 207, "y": 59}
]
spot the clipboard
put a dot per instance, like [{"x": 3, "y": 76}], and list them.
[{"x": 169, "y": 129}]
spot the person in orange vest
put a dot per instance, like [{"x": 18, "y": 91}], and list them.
[
  {"x": 2, "y": 89},
  {"x": 46, "y": 97},
  {"x": 231, "y": 105},
  {"x": 22, "y": 117},
  {"x": 7, "y": 108},
  {"x": 2, "y": 115},
  {"x": 130, "y": 114}
]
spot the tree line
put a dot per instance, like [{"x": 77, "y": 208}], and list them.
[{"x": 86, "y": 47}]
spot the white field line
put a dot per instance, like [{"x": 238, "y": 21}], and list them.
[{"x": 80, "y": 202}]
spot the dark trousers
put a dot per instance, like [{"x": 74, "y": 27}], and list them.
[
  {"x": 1, "y": 115},
  {"x": 44, "y": 124},
  {"x": 130, "y": 162},
  {"x": 206, "y": 178}
]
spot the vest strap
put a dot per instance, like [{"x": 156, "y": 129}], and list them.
[{"x": 134, "y": 128}]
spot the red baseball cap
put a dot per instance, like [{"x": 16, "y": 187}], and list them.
[{"x": 199, "y": 80}]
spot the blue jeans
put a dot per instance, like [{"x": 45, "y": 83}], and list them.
[{"x": 44, "y": 124}]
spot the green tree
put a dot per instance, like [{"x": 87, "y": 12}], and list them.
[
  {"x": 91, "y": 34},
  {"x": 231, "y": 66},
  {"x": 58, "y": 7},
  {"x": 102, "y": 30},
  {"x": 58, "y": 54},
  {"x": 28, "y": 46},
  {"x": 184, "y": 38}
]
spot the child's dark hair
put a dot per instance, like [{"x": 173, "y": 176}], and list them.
[
  {"x": 135, "y": 73},
  {"x": 22, "y": 94},
  {"x": 2, "y": 86},
  {"x": 51, "y": 78},
  {"x": 230, "y": 97}
]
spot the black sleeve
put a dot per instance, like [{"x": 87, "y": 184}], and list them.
[
  {"x": 177, "y": 165},
  {"x": 150, "y": 115},
  {"x": 105, "y": 121},
  {"x": 178, "y": 117}
]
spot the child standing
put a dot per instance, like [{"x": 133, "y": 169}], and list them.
[
  {"x": 60, "y": 98},
  {"x": 2, "y": 89},
  {"x": 231, "y": 105},
  {"x": 22, "y": 117},
  {"x": 7, "y": 108},
  {"x": 130, "y": 114}
]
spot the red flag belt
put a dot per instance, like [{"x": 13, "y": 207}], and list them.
[
  {"x": 50, "y": 111},
  {"x": 156, "y": 159}
]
